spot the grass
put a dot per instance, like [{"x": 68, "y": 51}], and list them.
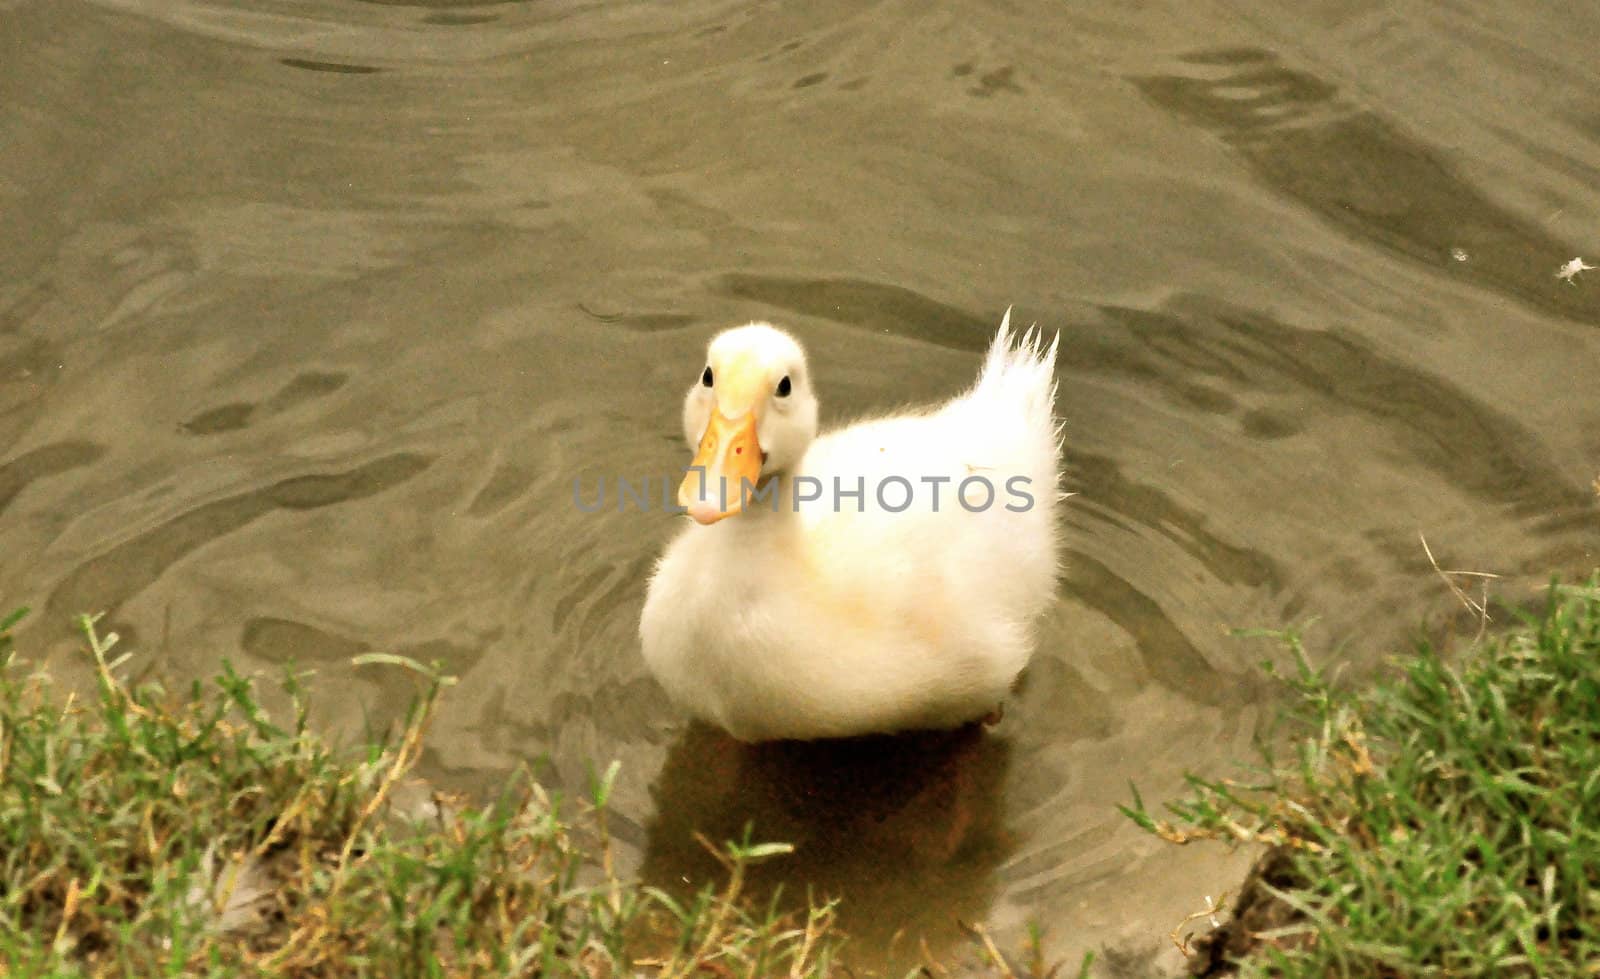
[
  {"x": 145, "y": 834},
  {"x": 1446, "y": 822},
  {"x": 150, "y": 833}
]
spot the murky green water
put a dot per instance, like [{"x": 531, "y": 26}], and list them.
[{"x": 311, "y": 311}]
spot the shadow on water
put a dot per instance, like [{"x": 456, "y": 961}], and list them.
[
  {"x": 236, "y": 415},
  {"x": 908, "y": 830},
  {"x": 859, "y": 302},
  {"x": 1170, "y": 658},
  {"x": 1216, "y": 357},
  {"x": 125, "y": 570},
  {"x": 334, "y": 67},
  {"x": 1364, "y": 175},
  {"x": 18, "y": 474}
]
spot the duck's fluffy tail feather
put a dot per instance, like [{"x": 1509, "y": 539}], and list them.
[{"x": 1021, "y": 372}]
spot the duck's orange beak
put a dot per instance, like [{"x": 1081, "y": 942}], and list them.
[{"x": 725, "y": 469}]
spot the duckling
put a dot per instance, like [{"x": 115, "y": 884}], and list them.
[{"x": 882, "y": 577}]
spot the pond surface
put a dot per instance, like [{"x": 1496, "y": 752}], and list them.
[{"x": 311, "y": 311}]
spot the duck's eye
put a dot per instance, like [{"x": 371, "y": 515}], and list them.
[
  {"x": 705, "y": 378},
  {"x": 784, "y": 387}
]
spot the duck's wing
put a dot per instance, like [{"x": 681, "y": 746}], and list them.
[{"x": 963, "y": 495}]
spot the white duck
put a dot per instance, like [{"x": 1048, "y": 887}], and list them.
[{"x": 798, "y": 611}]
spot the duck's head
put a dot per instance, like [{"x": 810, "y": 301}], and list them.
[{"x": 750, "y": 414}]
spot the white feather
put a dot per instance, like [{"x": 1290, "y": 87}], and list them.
[{"x": 833, "y": 621}]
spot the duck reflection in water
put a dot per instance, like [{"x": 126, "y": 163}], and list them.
[{"x": 906, "y": 830}]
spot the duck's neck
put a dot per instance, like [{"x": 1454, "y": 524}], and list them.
[
  {"x": 769, "y": 511},
  {"x": 772, "y": 504}
]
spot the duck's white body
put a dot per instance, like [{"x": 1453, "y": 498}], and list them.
[{"x": 837, "y": 616}]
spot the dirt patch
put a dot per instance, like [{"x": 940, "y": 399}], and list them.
[{"x": 1257, "y": 912}]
